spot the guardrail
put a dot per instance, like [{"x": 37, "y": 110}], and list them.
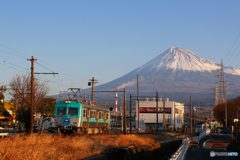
[
  {"x": 182, "y": 150},
  {"x": 203, "y": 134}
]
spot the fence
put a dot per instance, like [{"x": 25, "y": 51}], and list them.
[{"x": 182, "y": 150}]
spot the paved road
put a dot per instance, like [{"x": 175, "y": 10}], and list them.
[{"x": 195, "y": 153}]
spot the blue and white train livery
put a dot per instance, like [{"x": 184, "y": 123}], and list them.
[{"x": 81, "y": 118}]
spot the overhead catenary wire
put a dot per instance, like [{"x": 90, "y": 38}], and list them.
[
  {"x": 13, "y": 64},
  {"x": 13, "y": 68},
  {"x": 232, "y": 48}
]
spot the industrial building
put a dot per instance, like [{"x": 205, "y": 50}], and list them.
[{"x": 148, "y": 114}]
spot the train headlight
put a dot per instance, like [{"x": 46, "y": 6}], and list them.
[{"x": 67, "y": 101}]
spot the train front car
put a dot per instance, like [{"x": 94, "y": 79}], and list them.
[
  {"x": 81, "y": 118},
  {"x": 68, "y": 116}
]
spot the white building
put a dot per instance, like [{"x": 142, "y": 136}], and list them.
[
  {"x": 47, "y": 123},
  {"x": 148, "y": 114}
]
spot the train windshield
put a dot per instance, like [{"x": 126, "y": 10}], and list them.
[
  {"x": 61, "y": 110},
  {"x": 72, "y": 111}
]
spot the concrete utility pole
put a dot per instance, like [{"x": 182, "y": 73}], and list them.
[
  {"x": 194, "y": 116},
  {"x": 164, "y": 123},
  {"x": 138, "y": 103},
  {"x": 32, "y": 91},
  {"x": 130, "y": 113},
  {"x": 85, "y": 96},
  {"x": 215, "y": 97},
  {"x": 205, "y": 119},
  {"x": 125, "y": 129},
  {"x": 215, "y": 93},
  {"x": 174, "y": 129},
  {"x": 191, "y": 115},
  {"x": 157, "y": 109},
  {"x": 16, "y": 112},
  {"x": 93, "y": 81}
]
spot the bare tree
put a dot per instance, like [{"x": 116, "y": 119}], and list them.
[{"x": 21, "y": 90}]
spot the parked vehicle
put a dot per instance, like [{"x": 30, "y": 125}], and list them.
[
  {"x": 36, "y": 128},
  {"x": 225, "y": 130}
]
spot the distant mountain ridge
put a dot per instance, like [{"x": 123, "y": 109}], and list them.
[{"x": 177, "y": 73}]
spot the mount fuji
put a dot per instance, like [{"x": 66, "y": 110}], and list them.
[{"x": 177, "y": 74}]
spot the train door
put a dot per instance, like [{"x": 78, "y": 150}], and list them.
[
  {"x": 105, "y": 119},
  {"x": 88, "y": 116},
  {"x": 97, "y": 117}
]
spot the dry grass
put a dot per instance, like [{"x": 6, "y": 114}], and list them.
[
  {"x": 46, "y": 148},
  {"x": 176, "y": 134}
]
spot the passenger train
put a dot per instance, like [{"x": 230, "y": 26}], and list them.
[{"x": 78, "y": 117}]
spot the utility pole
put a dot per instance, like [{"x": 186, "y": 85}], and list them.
[
  {"x": 32, "y": 91},
  {"x": 164, "y": 123},
  {"x": 215, "y": 93},
  {"x": 130, "y": 113},
  {"x": 191, "y": 115},
  {"x": 125, "y": 129},
  {"x": 16, "y": 112},
  {"x": 85, "y": 96},
  {"x": 194, "y": 116},
  {"x": 138, "y": 103},
  {"x": 205, "y": 119},
  {"x": 157, "y": 109},
  {"x": 60, "y": 96},
  {"x": 174, "y": 129},
  {"x": 215, "y": 97},
  {"x": 93, "y": 81}
]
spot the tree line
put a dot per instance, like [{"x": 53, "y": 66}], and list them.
[{"x": 219, "y": 111}]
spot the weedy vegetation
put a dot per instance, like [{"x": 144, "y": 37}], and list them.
[{"x": 39, "y": 147}]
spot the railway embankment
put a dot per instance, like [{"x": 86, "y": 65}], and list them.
[
  {"x": 164, "y": 145},
  {"x": 111, "y": 146},
  {"x": 156, "y": 151}
]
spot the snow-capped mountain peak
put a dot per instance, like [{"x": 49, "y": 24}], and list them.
[{"x": 179, "y": 59}]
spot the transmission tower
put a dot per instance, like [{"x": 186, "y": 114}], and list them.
[{"x": 222, "y": 92}]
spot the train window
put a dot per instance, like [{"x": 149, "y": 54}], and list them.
[
  {"x": 84, "y": 113},
  {"x": 101, "y": 115},
  {"x": 61, "y": 110},
  {"x": 92, "y": 114},
  {"x": 72, "y": 111},
  {"x": 107, "y": 116}
]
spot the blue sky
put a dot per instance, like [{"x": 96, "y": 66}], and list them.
[{"x": 107, "y": 39}]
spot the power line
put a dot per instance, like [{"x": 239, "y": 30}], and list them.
[
  {"x": 13, "y": 68},
  {"x": 232, "y": 46},
  {"x": 12, "y": 53},
  {"x": 43, "y": 67},
  {"x": 13, "y": 64}
]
